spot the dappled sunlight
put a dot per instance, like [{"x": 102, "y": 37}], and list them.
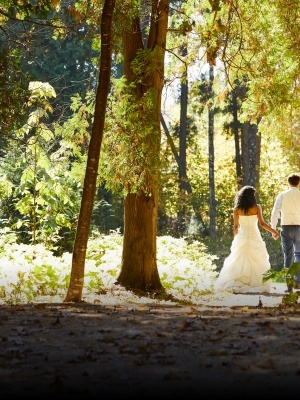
[
  {"x": 31, "y": 274},
  {"x": 34, "y": 274}
]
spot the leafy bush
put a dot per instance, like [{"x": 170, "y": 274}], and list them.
[{"x": 34, "y": 274}]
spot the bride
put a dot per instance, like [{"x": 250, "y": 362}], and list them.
[{"x": 248, "y": 260}]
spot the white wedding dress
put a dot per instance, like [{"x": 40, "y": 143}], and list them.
[{"x": 248, "y": 260}]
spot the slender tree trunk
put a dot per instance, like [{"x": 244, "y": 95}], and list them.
[
  {"x": 181, "y": 173},
  {"x": 139, "y": 266},
  {"x": 183, "y": 126},
  {"x": 250, "y": 153},
  {"x": 250, "y": 146},
  {"x": 236, "y": 138},
  {"x": 257, "y": 163},
  {"x": 211, "y": 157},
  {"x": 89, "y": 188},
  {"x": 181, "y": 215},
  {"x": 245, "y": 152}
]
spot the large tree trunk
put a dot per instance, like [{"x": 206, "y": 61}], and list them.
[
  {"x": 139, "y": 267},
  {"x": 90, "y": 182}
]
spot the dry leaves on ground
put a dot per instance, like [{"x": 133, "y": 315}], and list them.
[{"x": 149, "y": 350}]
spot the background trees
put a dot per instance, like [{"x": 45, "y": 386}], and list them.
[{"x": 254, "y": 133}]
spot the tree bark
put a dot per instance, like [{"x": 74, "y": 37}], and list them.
[
  {"x": 236, "y": 138},
  {"x": 183, "y": 126},
  {"x": 181, "y": 173},
  {"x": 182, "y": 221},
  {"x": 75, "y": 289},
  {"x": 139, "y": 267},
  {"x": 250, "y": 153},
  {"x": 211, "y": 157}
]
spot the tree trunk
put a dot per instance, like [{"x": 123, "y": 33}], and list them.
[
  {"x": 139, "y": 267},
  {"x": 197, "y": 213},
  {"x": 211, "y": 157},
  {"x": 183, "y": 126},
  {"x": 139, "y": 270},
  {"x": 90, "y": 182},
  {"x": 182, "y": 221},
  {"x": 245, "y": 152},
  {"x": 236, "y": 138},
  {"x": 250, "y": 153},
  {"x": 250, "y": 147}
]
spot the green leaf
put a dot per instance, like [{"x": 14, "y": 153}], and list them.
[{"x": 291, "y": 274}]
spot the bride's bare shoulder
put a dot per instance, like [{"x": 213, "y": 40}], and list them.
[{"x": 251, "y": 211}]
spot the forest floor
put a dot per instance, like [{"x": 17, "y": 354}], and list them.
[{"x": 239, "y": 345}]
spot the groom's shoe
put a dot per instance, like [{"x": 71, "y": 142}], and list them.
[{"x": 290, "y": 289}]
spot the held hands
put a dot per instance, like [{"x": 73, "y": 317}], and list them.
[{"x": 275, "y": 235}]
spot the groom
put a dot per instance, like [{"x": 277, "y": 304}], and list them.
[{"x": 287, "y": 209}]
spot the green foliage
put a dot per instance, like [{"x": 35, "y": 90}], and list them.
[
  {"x": 43, "y": 167},
  {"x": 291, "y": 273},
  {"x": 25, "y": 8},
  {"x": 43, "y": 280},
  {"x": 129, "y": 153},
  {"x": 286, "y": 275},
  {"x": 108, "y": 212},
  {"x": 44, "y": 174},
  {"x": 34, "y": 277},
  {"x": 35, "y": 274},
  {"x": 13, "y": 93},
  {"x": 277, "y": 276},
  {"x": 55, "y": 42},
  {"x": 291, "y": 299}
]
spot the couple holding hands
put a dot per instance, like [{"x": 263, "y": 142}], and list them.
[{"x": 243, "y": 269}]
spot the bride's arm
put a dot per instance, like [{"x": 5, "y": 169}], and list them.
[
  {"x": 235, "y": 222},
  {"x": 263, "y": 223}
]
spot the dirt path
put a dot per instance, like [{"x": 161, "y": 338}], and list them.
[{"x": 149, "y": 350}]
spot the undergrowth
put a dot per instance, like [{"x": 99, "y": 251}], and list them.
[{"x": 34, "y": 274}]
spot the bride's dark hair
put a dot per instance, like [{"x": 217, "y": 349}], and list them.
[{"x": 245, "y": 198}]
